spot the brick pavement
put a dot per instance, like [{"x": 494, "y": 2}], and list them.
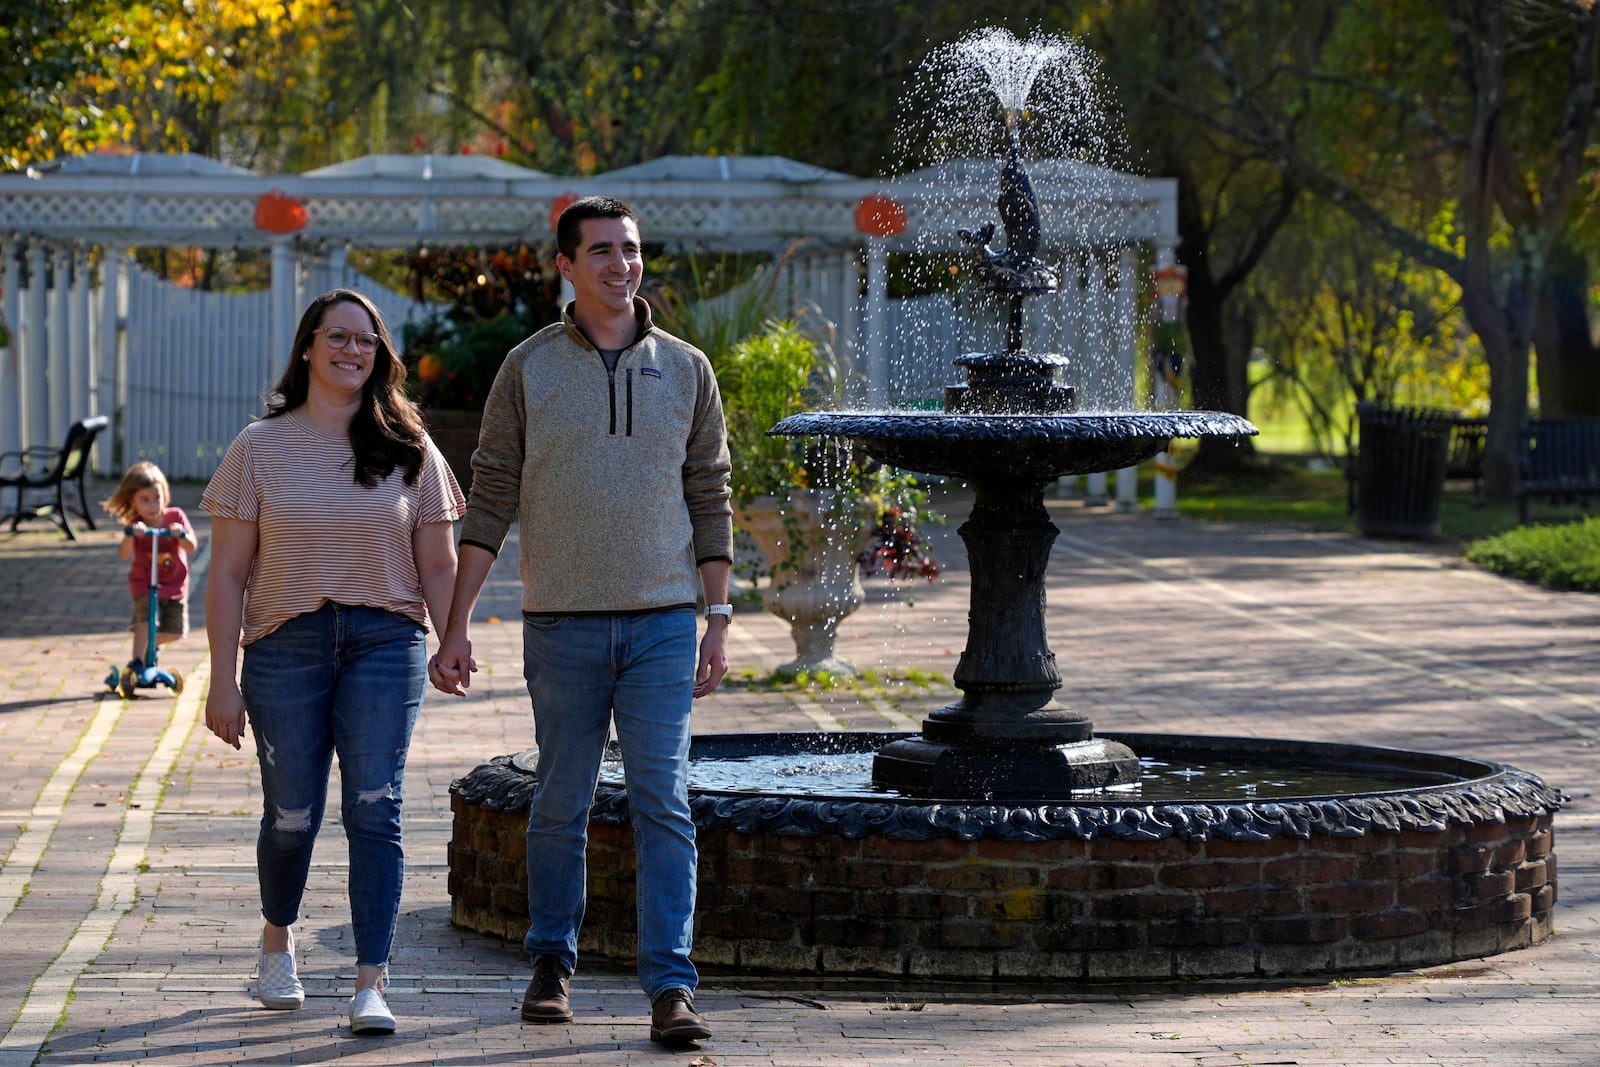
[{"x": 127, "y": 895}]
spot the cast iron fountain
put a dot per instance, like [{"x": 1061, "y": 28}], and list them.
[{"x": 1007, "y": 839}]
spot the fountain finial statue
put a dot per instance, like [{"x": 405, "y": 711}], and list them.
[{"x": 1017, "y": 269}]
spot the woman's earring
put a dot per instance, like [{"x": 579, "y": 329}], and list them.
[{"x": 306, "y": 356}]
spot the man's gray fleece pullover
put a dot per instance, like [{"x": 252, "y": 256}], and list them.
[{"x": 618, "y": 481}]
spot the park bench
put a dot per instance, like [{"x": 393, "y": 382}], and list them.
[
  {"x": 47, "y": 472},
  {"x": 1559, "y": 460}
]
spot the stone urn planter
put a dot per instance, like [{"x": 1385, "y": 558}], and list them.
[{"x": 810, "y": 540}]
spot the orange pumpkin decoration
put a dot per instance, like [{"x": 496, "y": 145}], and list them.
[
  {"x": 562, "y": 202},
  {"x": 280, "y": 213},
  {"x": 429, "y": 368},
  {"x": 879, "y": 216}
]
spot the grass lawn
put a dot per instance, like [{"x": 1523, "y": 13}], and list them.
[
  {"x": 1282, "y": 488},
  {"x": 1553, "y": 550}
]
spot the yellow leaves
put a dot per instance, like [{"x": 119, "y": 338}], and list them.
[{"x": 204, "y": 58}]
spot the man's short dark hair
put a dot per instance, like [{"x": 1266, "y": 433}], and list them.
[{"x": 570, "y": 225}]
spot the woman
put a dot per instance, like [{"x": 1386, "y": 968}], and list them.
[{"x": 331, "y": 548}]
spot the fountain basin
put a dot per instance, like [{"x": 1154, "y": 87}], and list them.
[
  {"x": 1010, "y": 449},
  {"x": 1457, "y": 864}
]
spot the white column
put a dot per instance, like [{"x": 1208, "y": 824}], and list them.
[
  {"x": 11, "y": 439},
  {"x": 1166, "y": 399},
  {"x": 80, "y": 391},
  {"x": 108, "y": 354},
  {"x": 336, "y": 264},
  {"x": 1122, "y": 329},
  {"x": 1094, "y": 489},
  {"x": 850, "y": 306},
  {"x": 59, "y": 374},
  {"x": 876, "y": 357},
  {"x": 281, "y": 335},
  {"x": 35, "y": 356},
  {"x": 1068, "y": 307}
]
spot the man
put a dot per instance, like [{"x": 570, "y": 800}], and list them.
[{"x": 603, "y": 439}]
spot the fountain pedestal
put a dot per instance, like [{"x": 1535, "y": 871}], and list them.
[{"x": 1007, "y": 735}]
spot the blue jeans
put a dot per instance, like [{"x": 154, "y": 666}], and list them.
[
  {"x": 582, "y": 671},
  {"x": 344, "y": 680}
]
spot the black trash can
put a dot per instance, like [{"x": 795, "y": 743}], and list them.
[{"x": 1400, "y": 470}]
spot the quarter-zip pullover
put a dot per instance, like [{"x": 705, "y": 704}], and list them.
[{"x": 583, "y": 457}]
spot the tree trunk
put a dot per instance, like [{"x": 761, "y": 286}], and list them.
[
  {"x": 1507, "y": 355},
  {"x": 1568, "y": 366}
]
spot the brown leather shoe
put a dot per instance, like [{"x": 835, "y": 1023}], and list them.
[
  {"x": 673, "y": 1020},
  {"x": 546, "y": 999}
]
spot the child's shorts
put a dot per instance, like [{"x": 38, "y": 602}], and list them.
[{"x": 172, "y": 616}]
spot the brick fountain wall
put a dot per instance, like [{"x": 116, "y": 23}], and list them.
[{"x": 1112, "y": 899}]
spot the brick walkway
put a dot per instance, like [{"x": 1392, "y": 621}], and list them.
[{"x": 127, "y": 893}]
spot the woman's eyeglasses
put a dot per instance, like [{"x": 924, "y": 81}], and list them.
[{"x": 338, "y": 337}]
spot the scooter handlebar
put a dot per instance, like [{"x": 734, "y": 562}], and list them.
[{"x": 158, "y": 531}]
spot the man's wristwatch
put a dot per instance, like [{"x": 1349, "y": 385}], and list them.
[{"x": 725, "y": 610}]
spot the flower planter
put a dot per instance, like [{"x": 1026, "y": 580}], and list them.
[{"x": 810, "y": 543}]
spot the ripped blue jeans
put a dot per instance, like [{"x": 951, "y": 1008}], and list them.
[{"x": 348, "y": 680}]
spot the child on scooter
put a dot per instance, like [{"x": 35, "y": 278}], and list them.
[{"x": 142, "y": 502}]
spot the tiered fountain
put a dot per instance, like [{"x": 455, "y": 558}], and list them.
[{"x": 1007, "y": 839}]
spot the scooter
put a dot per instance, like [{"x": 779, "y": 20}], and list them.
[{"x": 126, "y": 679}]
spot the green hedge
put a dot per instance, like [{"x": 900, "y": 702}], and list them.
[{"x": 1565, "y": 556}]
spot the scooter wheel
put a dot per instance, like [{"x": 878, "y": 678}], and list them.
[
  {"x": 177, "y": 682},
  {"x": 114, "y": 679},
  {"x": 128, "y": 683}
]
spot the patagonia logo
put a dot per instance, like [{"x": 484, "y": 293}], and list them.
[{"x": 649, "y": 372}]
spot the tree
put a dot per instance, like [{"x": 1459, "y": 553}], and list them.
[
  {"x": 47, "y": 47},
  {"x": 1234, "y": 201},
  {"x": 232, "y": 79},
  {"x": 1500, "y": 118},
  {"x": 1348, "y": 319}
]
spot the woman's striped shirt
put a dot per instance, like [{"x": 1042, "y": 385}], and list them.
[{"x": 320, "y": 536}]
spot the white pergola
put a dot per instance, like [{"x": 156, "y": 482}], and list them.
[{"x": 64, "y": 335}]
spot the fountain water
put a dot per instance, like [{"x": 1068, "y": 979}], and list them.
[{"x": 1007, "y": 839}]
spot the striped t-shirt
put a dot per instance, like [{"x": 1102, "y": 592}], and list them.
[{"x": 320, "y": 536}]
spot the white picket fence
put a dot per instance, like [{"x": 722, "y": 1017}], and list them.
[{"x": 197, "y": 366}]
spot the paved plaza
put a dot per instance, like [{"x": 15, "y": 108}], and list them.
[{"x": 128, "y": 907}]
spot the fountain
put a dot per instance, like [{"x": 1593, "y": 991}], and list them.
[{"x": 1007, "y": 839}]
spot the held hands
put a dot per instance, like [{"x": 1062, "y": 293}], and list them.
[
  {"x": 225, "y": 713},
  {"x": 139, "y": 529},
  {"x": 451, "y": 669},
  {"x": 177, "y": 532}
]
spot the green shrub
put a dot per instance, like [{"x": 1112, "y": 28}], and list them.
[
  {"x": 763, "y": 379},
  {"x": 455, "y": 357},
  {"x": 1565, "y": 556}
]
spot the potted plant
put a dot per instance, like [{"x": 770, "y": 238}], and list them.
[{"x": 810, "y": 505}]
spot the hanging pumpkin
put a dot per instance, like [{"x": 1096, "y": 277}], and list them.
[
  {"x": 278, "y": 212},
  {"x": 879, "y": 216},
  {"x": 561, "y": 203}
]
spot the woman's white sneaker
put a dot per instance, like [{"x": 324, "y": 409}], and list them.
[
  {"x": 369, "y": 1014},
  {"x": 277, "y": 984}
]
